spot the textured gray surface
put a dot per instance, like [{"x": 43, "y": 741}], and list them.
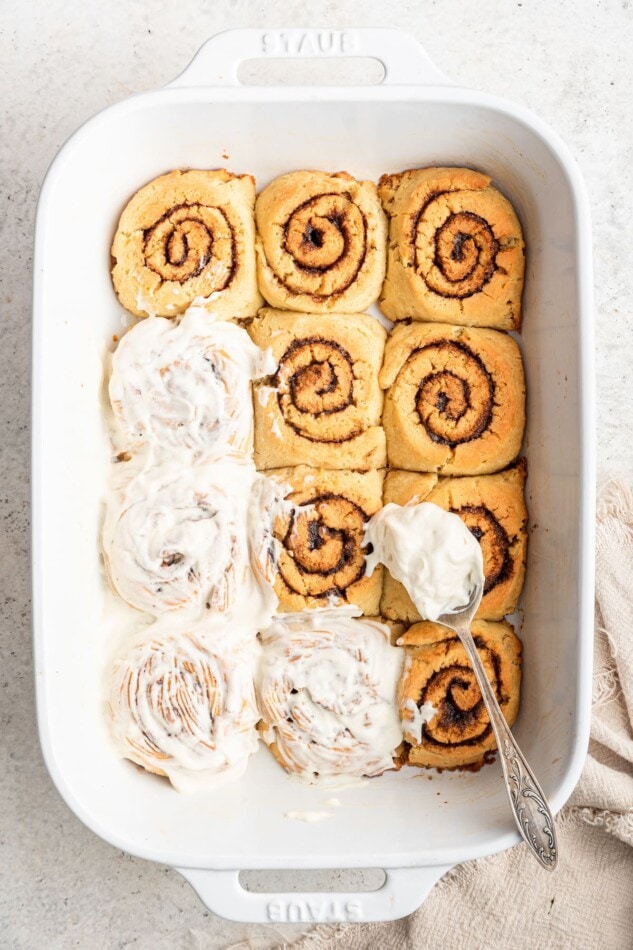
[{"x": 569, "y": 62}]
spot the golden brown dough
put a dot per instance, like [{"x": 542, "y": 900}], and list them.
[
  {"x": 396, "y": 629},
  {"x": 321, "y": 553},
  {"x": 186, "y": 235},
  {"x": 321, "y": 242},
  {"x": 456, "y": 251},
  {"x": 323, "y": 405},
  {"x": 493, "y": 508},
  {"x": 437, "y": 671},
  {"x": 455, "y": 401}
]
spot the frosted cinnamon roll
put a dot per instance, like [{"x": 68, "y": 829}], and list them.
[
  {"x": 184, "y": 235},
  {"x": 267, "y": 507},
  {"x": 322, "y": 407},
  {"x": 176, "y": 538},
  {"x": 443, "y": 714},
  {"x": 183, "y": 706},
  {"x": 321, "y": 242},
  {"x": 456, "y": 251},
  {"x": 327, "y": 696},
  {"x": 186, "y": 384},
  {"x": 320, "y": 538},
  {"x": 493, "y": 508},
  {"x": 455, "y": 401}
]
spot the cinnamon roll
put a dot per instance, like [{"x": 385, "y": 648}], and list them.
[
  {"x": 183, "y": 706},
  {"x": 443, "y": 714},
  {"x": 493, "y": 507},
  {"x": 321, "y": 242},
  {"x": 327, "y": 696},
  {"x": 455, "y": 401},
  {"x": 323, "y": 405},
  {"x": 185, "y": 235},
  {"x": 396, "y": 629},
  {"x": 320, "y": 538},
  {"x": 177, "y": 538},
  {"x": 456, "y": 251},
  {"x": 186, "y": 385}
]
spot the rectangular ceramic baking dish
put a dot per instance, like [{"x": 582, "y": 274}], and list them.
[{"x": 415, "y": 829}]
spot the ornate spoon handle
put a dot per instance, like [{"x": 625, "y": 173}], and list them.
[{"x": 529, "y": 806}]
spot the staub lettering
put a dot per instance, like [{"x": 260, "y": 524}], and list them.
[
  {"x": 311, "y": 43},
  {"x": 295, "y": 912}
]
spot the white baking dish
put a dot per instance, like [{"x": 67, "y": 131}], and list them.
[{"x": 412, "y": 827}]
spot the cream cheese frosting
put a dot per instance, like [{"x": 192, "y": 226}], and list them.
[
  {"x": 193, "y": 539},
  {"x": 430, "y": 551},
  {"x": 415, "y": 718},
  {"x": 183, "y": 705},
  {"x": 327, "y": 695},
  {"x": 186, "y": 384}
]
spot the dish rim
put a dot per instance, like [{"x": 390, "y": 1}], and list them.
[{"x": 435, "y": 94}]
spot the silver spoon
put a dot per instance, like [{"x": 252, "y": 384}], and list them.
[{"x": 529, "y": 807}]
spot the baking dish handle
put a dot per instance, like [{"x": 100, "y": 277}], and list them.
[
  {"x": 404, "y": 60},
  {"x": 402, "y": 893}
]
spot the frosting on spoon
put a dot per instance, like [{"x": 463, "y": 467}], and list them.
[{"x": 430, "y": 551}]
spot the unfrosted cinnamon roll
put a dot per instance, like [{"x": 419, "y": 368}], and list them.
[
  {"x": 321, "y": 242},
  {"x": 322, "y": 407},
  {"x": 327, "y": 695},
  {"x": 320, "y": 536},
  {"x": 455, "y": 400},
  {"x": 183, "y": 705},
  {"x": 177, "y": 538},
  {"x": 184, "y": 235},
  {"x": 456, "y": 251},
  {"x": 443, "y": 714},
  {"x": 186, "y": 384},
  {"x": 493, "y": 508}
]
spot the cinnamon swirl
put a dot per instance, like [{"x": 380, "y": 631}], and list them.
[
  {"x": 320, "y": 537},
  {"x": 327, "y": 696},
  {"x": 443, "y": 714},
  {"x": 493, "y": 508},
  {"x": 177, "y": 538},
  {"x": 455, "y": 401},
  {"x": 321, "y": 242},
  {"x": 183, "y": 706},
  {"x": 186, "y": 385},
  {"x": 186, "y": 235},
  {"x": 323, "y": 405},
  {"x": 456, "y": 251}
]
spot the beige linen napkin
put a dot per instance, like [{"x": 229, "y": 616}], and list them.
[{"x": 508, "y": 901}]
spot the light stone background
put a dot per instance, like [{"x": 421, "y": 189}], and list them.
[{"x": 61, "y": 62}]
